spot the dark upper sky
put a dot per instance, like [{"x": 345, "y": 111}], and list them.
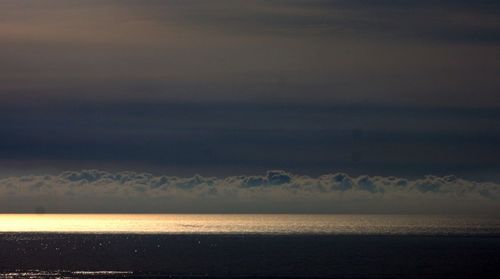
[{"x": 403, "y": 88}]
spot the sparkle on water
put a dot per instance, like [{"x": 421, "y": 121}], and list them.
[{"x": 248, "y": 223}]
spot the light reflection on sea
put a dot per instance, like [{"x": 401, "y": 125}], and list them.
[
  {"x": 35, "y": 274},
  {"x": 248, "y": 224}
]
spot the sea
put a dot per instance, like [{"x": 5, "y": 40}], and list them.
[{"x": 248, "y": 246}]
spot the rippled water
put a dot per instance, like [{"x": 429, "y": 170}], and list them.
[
  {"x": 248, "y": 223},
  {"x": 35, "y": 274}
]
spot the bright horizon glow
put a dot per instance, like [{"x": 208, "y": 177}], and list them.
[{"x": 247, "y": 223}]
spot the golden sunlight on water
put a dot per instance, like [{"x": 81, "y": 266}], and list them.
[{"x": 247, "y": 223}]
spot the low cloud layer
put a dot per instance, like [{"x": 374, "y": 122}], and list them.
[{"x": 276, "y": 191}]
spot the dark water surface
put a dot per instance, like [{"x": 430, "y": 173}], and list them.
[
  {"x": 207, "y": 255},
  {"x": 248, "y": 246}
]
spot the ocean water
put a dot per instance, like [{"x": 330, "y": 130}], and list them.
[
  {"x": 250, "y": 224},
  {"x": 250, "y": 246}
]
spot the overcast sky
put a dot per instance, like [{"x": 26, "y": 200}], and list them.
[{"x": 224, "y": 88}]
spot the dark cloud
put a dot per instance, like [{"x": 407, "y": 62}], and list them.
[
  {"x": 403, "y": 88},
  {"x": 404, "y": 52},
  {"x": 410, "y": 141},
  {"x": 442, "y": 22}
]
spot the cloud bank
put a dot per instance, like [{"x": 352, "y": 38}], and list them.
[{"x": 276, "y": 191}]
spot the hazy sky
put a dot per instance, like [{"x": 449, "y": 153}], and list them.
[
  {"x": 354, "y": 51},
  {"x": 379, "y": 88}
]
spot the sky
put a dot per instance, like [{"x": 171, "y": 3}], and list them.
[{"x": 229, "y": 90}]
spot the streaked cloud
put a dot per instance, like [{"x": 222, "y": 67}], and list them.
[
  {"x": 230, "y": 138},
  {"x": 410, "y": 52},
  {"x": 404, "y": 88}
]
